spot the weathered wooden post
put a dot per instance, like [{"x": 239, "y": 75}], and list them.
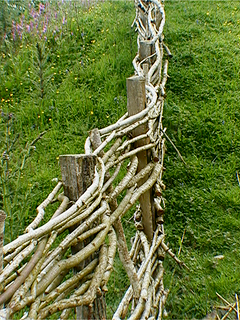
[
  {"x": 136, "y": 102},
  {"x": 77, "y": 175},
  {"x": 145, "y": 51}
]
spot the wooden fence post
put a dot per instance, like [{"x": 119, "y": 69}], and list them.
[
  {"x": 145, "y": 50},
  {"x": 77, "y": 175},
  {"x": 136, "y": 102}
]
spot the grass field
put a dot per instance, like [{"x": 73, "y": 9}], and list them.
[
  {"x": 202, "y": 117},
  {"x": 56, "y": 89}
]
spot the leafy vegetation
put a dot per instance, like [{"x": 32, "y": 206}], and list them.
[{"x": 60, "y": 80}]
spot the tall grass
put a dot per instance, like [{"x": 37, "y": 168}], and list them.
[
  {"x": 68, "y": 80},
  {"x": 63, "y": 78}
]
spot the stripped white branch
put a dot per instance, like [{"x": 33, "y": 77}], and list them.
[
  {"x": 76, "y": 299},
  {"x": 111, "y": 255},
  {"x": 66, "y": 242},
  {"x": 42, "y": 206},
  {"x": 125, "y": 181},
  {"x": 131, "y": 141},
  {"x": 11, "y": 256},
  {"x": 148, "y": 303},
  {"x": 79, "y": 215},
  {"x": 112, "y": 178},
  {"x": 130, "y": 128},
  {"x": 131, "y": 119},
  {"x": 72, "y": 282},
  {"x": 103, "y": 144},
  {"x": 112, "y": 150},
  {"x": 162, "y": 23},
  {"x": 134, "y": 152},
  {"x": 63, "y": 206},
  {"x": 17, "y": 260},
  {"x": 41, "y": 231},
  {"x": 87, "y": 146}
]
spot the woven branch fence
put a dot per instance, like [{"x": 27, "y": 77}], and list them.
[{"x": 63, "y": 264}]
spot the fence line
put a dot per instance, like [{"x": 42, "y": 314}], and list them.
[{"x": 121, "y": 170}]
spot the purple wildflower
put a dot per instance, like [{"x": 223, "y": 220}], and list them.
[
  {"x": 33, "y": 13},
  {"x": 46, "y": 19},
  {"x": 41, "y": 8},
  {"x": 19, "y": 30}
]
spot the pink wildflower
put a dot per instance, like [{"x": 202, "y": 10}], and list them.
[{"x": 41, "y": 7}]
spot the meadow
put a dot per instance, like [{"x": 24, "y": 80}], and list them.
[{"x": 59, "y": 80}]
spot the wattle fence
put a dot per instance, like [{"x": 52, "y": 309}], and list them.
[{"x": 61, "y": 265}]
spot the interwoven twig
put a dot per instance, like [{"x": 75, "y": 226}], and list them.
[{"x": 37, "y": 272}]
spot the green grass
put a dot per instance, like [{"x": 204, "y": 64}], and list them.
[
  {"x": 85, "y": 87},
  {"x": 202, "y": 116},
  {"x": 84, "y": 82}
]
